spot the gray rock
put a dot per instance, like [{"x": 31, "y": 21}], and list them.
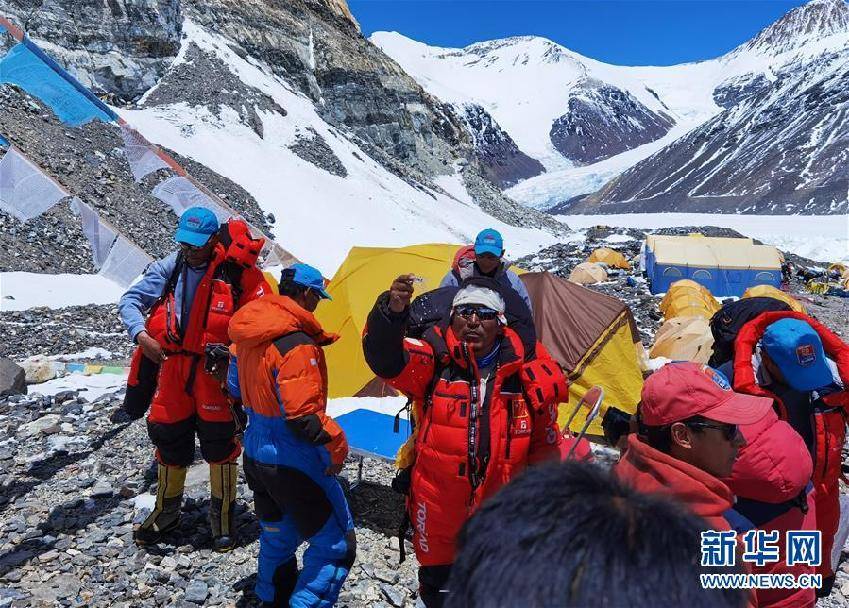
[
  {"x": 502, "y": 162},
  {"x": 386, "y": 575},
  {"x": 101, "y": 489},
  {"x": 603, "y": 121},
  {"x": 395, "y": 595},
  {"x": 59, "y": 587},
  {"x": 311, "y": 147},
  {"x": 12, "y": 378},
  {"x": 39, "y": 425},
  {"x": 196, "y": 592},
  {"x": 121, "y": 47}
]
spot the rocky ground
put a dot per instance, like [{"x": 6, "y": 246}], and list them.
[
  {"x": 633, "y": 289},
  {"x": 46, "y": 331},
  {"x": 74, "y": 483}
]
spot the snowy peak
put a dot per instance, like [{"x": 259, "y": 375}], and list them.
[
  {"x": 520, "y": 50},
  {"x": 808, "y": 23}
]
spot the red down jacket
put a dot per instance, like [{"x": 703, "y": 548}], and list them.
[
  {"x": 828, "y": 418},
  {"x": 465, "y": 449},
  {"x": 653, "y": 472},
  {"x": 772, "y": 481}
]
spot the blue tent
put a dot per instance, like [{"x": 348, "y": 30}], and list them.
[{"x": 725, "y": 266}]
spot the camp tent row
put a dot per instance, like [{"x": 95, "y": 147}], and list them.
[{"x": 593, "y": 336}]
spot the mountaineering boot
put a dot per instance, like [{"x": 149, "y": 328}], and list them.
[
  {"x": 222, "y": 483},
  {"x": 166, "y": 513}
]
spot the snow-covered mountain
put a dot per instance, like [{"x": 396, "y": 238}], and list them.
[
  {"x": 777, "y": 101},
  {"x": 528, "y": 84},
  {"x": 326, "y": 193},
  {"x": 282, "y": 109}
]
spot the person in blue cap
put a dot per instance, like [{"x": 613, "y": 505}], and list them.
[
  {"x": 486, "y": 259},
  {"x": 181, "y": 306},
  {"x": 293, "y": 449},
  {"x": 804, "y": 367}
]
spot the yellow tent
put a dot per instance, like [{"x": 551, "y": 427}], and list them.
[
  {"x": 684, "y": 339},
  {"x": 588, "y": 273},
  {"x": 365, "y": 274},
  {"x": 768, "y": 291},
  {"x": 687, "y": 298},
  {"x": 839, "y": 267},
  {"x": 610, "y": 257}
]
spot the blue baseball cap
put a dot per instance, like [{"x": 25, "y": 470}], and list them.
[
  {"x": 489, "y": 241},
  {"x": 197, "y": 224},
  {"x": 307, "y": 276},
  {"x": 796, "y": 348}
]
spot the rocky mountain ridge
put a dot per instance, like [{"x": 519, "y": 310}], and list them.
[
  {"x": 344, "y": 89},
  {"x": 748, "y": 111},
  {"x": 778, "y": 146}
]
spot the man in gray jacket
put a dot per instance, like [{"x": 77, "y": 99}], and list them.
[{"x": 488, "y": 262}]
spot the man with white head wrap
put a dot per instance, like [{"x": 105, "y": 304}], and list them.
[{"x": 483, "y": 413}]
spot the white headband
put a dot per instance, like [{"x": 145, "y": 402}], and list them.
[{"x": 481, "y": 296}]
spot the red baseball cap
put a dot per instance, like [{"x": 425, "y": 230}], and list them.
[{"x": 678, "y": 391}]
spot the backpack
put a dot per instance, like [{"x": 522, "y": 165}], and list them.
[{"x": 727, "y": 322}]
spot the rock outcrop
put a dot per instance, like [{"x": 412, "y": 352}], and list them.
[
  {"x": 604, "y": 121},
  {"x": 502, "y": 162},
  {"x": 115, "y": 47}
]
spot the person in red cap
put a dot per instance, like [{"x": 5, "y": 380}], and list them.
[
  {"x": 689, "y": 438},
  {"x": 756, "y": 479}
]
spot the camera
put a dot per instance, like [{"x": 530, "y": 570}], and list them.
[
  {"x": 615, "y": 423},
  {"x": 216, "y": 357}
]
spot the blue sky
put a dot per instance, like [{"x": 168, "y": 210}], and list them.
[{"x": 624, "y": 32}]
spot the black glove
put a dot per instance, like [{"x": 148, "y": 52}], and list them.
[
  {"x": 401, "y": 481},
  {"x": 309, "y": 429}
]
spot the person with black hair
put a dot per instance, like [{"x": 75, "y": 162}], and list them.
[
  {"x": 293, "y": 449},
  {"x": 486, "y": 259},
  {"x": 570, "y": 534}
]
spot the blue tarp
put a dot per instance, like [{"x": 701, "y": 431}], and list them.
[
  {"x": 722, "y": 282},
  {"x": 372, "y": 433},
  {"x": 4, "y": 142},
  {"x": 28, "y": 67}
]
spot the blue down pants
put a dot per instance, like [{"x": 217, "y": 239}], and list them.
[{"x": 295, "y": 503}]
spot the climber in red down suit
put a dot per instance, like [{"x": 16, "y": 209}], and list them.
[
  {"x": 190, "y": 296},
  {"x": 483, "y": 412}
]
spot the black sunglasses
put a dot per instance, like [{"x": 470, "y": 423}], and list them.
[
  {"x": 729, "y": 431},
  {"x": 187, "y": 247},
  {"x": 482, "y": 312}
]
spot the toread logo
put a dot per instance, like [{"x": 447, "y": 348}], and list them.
[
  {"x": 421, "y": 526},
  {"x": 717, "y": 377},
  {"x": 806, "y": 355}
]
